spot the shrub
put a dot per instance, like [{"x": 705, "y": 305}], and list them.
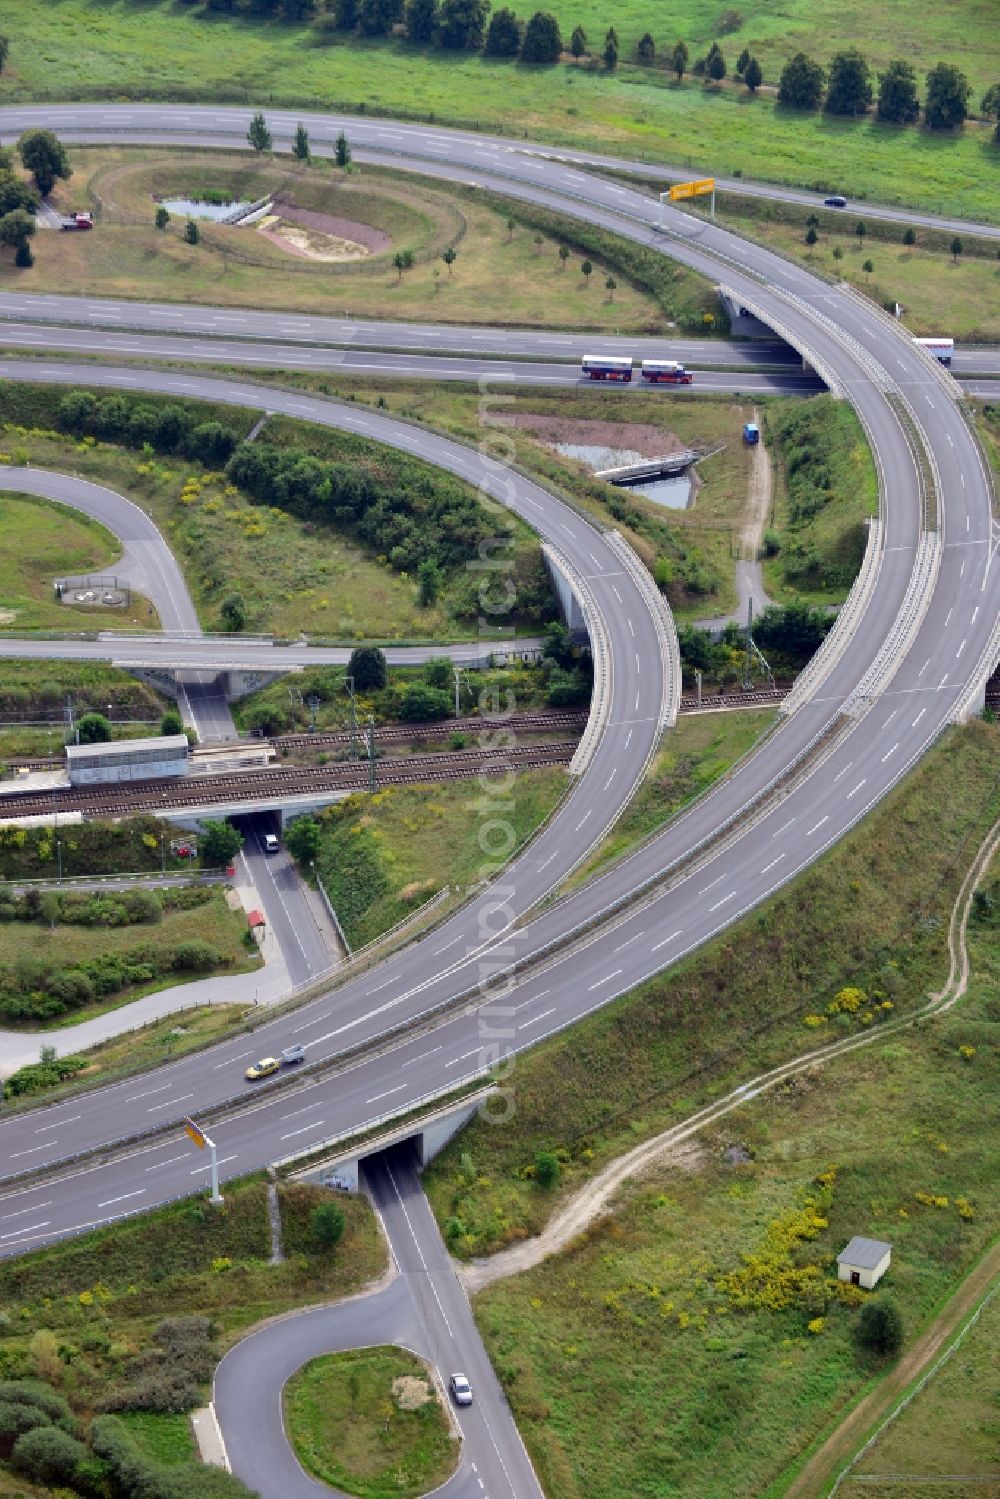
[
  {"x": 421, "y": 702},
  {"x": 547, "y": 1168},
  {"x": 327, "y": 1222},
  {"x": 195, "y": 956},
  {"x": 48, "y": 1455},
  {"x": 880, "y": 1326}
]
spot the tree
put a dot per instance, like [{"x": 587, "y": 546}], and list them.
[
  {"x": 868, "y": 267},
  {"x": 429, "y": 582},
  {"x": 511, "y": 226},
  {"x": 564, "y": 254},
  {"x": 909, "y": 236},
  {"x": 327, "y": 1223},
  {"x": 367, "y": 667},
  {"x": 4, "y": 49},
  {"x": 462, "y": 24},
  {"x": 646, "y": 48},
  {"x": 880, "y": 1326},
  {"x": 300, "y": 145},
  {"x": 741, "y": 62},
  {"x": 93, "y": 728},
  {"x": 611, "y": 286},
  {"x": 850, "y": 87},
  {"x": 421, "y": 17},
  {"x": 16, "y": 228},
  {"x": 948, "y": 91},
  {"x": 378, "y": 17},
  {"x": 542, "y": 39},
  {"x": 219, "y": 843},
  {"x": 23, "y": 256},
  {"x": 752, "y": 75},
  {"x": 438, "y": 672},
  {"x": 715, "y": 67},
  {"x": 547, "y": 1169},
  {"x": 538, "y": 240},
  {"x": 234, "y": 613},
  {"x": 49, "y": 909},
  {"x": 861, "y": 229},
  {"x": 342, "y": 151},
  {"x": 403, "y": 261},
  {"x": 990, "y": 106},
  {"x": 611, "y": 50},
  {"x": 171, "y": 722},
  {"x": 449, "y": 256},
  {"x": 504, "y": 36},
  {"x": 15, "y": 193},
  {"x": 162, "y": 217},
  {"x": 587, "y": 270},
  {"x": 897, "y": 94},
  {"x": 811, "y": 236},
  {"x": 578, "y": 42},
  {"x": 44, "y": 156},
  {"x": 192, "y": 234},
  {"x": 838, "y": 253},
  {"x": 679, "y": 60},
  {"x": 302, "y": 839},
  {"x": 346, "y": 14},
  {"x": 801, "y": 83},
  {"x": 956, "y": 249},
  {"x": 258, "y": 135}
]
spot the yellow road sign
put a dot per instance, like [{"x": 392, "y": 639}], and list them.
[
  {"x": 196, "y": 1135},
  {"x": 692, "y": 189}
]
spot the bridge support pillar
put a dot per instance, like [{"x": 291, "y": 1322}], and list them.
[{"x": 569, "y": 604}]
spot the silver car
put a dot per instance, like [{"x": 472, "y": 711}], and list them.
[{"x": 461, "y": 1390}]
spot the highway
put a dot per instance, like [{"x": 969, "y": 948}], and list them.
[
  {"x": 422, "y": 1308},
  {"x": 943, "y": 649}
]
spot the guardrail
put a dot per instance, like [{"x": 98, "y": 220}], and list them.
[
  {"x": 904, "y": 627},
  {"x": 600, "y": 650},
  {"x": 670, "y": 651},
  {"x": 808, "y": 682},
  {"x": 794, "y": 342}
]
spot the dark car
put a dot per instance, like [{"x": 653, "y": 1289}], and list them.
[{"x": 836, "y": 201}]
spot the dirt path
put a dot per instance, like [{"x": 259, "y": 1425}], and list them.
[
  {"x": 676, "y": 1144},
  {"x": 758, "y": 498},
  {"x": 818, "y": 1475}
]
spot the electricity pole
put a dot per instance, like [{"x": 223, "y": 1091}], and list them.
[{"x": 371, "y": 753}]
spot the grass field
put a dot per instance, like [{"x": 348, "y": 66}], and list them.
[
  {"x": 498, "y": 276},
  {"x": 348, "y": 1423},
  {"x": 948, "y": 1429},
  {"x": 215, "y": 922},
  {"x": 317, "y": 580},
  {"x": 862, "y": 916},
  {"x": 41, "y": 541},
  {"x": 37, "y": 689},
  {"x": 696, "y": 1298},
  {"x": 79, "y": 49},
  {"x": 382, "y": 856}
]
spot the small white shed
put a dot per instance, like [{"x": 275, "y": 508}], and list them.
[{"x": 864, "y": 1262}]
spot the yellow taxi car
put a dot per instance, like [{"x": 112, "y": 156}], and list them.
[{"x": 263, "y": 1068}]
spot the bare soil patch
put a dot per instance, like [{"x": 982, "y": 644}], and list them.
[
  {"x": 321, "y": 236},
  {"x": 646, "y": 438}
]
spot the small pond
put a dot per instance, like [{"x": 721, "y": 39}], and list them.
[
  {"x": 674, "y": 492},
  {"x": 192, "y": 208},
  {"x": 597, "y": 456}
]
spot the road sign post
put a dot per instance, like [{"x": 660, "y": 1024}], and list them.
[{"x": 198, "y": 1135}]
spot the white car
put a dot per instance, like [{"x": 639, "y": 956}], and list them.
[
  {"x": 461, "y": 1390},
  {"x": 271, "y": 844}
]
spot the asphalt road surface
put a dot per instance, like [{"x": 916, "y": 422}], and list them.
[
  {"x": 423, "y": 1309},
  {"x": 949, "y": 647}
]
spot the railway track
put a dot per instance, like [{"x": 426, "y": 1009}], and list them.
[
  {"x": 279, "y": 782},
  {"x": 518, "y": 723}
]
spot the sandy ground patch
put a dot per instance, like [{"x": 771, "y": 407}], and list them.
[{"x": 646, "y": 439}]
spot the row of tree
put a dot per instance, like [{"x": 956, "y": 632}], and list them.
[
  {"x": 847, "y": 88},
  {"x": 44, "y": 156}
]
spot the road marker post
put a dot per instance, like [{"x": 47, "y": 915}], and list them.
[{"x": 200, "y": 1138}]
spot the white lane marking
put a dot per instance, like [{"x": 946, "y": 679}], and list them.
[
  {"x": 892, "y": 715},
  {"x": 960, "y": 650},
  {"x": 169, "y": 1103},
  {"x": 123, "y": 1198},
  {"x": 919, "y": 716},
  {"x": 950, "y": 443},
  {"x": 770, "y": 866},
  {"x": 136, "y": 1096},
  {"x": 422, "y": 1057},
  {"x": 378, "y": 987},
  {"x": 617, "y": 595},
  {"x": 717, "y": 881},
  {"x": 605, "y": 980},
  {"x": 475, "y": 1052},
  {"x": 427, "y": 1273},
  {"x": 889, "y": 752},
  {"x": 622, "y": 945},
  {"x": 721, "y": 902},
  {"x": 536, "y": 1018},
  {"x": 784, "y": 828},
  {"x": 942, "y": 681},
  {"x": 439, "y": 950},
  {"x": 611, "y": 777},
  {"x": 583, "y": 819},
  {"x": 172, "y": 1161},
  {"x": 856, "y": 788},
  {"x": 37, "y": 1208},
  {"x": 59, "y": 1123},
  {"x": 33, "y": 1151},
  {"x": 313, "y": 1124},
  {"x": 296, "y": 1112},
  {"x": 842, "y": 772},
  {"x": 199, "y": 1169},
  {"x": 21, "y": 1232},
  {"x": 974, "y": 614},
  {"x": 237, "y": 1058},
  {"x": 817, "y": 825},
  {"x": 628, "y": 739},
  {"x": 948, "y": 617},
  {"x": 631, "y": 628},
  {"x": 636, "y": 708},
  {"x": 924, "y": 667},
  {"x": 388, "y": 1093}
]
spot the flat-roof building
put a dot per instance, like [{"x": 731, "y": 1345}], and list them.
[
  {"x": 864, "y": 1261},
  {"x": 127, "y": 759}
]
